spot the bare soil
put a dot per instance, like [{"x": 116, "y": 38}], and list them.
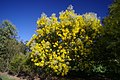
[{"x": 10, "y": 76}]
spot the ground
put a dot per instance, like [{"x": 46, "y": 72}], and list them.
[{"x": 6, "y": 76}]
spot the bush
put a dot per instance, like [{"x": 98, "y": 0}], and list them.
[
  {"x": 17, "y": 63},
  {"x": 65, "y": 44},
  {"x": 22, "y": 66}
]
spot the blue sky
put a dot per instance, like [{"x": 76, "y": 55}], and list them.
[{"x": 24, "y": 13}]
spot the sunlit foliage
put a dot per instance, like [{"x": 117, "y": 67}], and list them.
[{"x": 62, "y": 43}]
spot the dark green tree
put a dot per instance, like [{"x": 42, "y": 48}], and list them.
[{"x": 107, "y": 46}]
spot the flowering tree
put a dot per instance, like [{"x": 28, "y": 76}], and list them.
[{"x": 62, "y": 44}]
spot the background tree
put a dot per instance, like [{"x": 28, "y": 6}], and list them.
[
  {"x": 112, "y": 34},
  {"x": 9, "y": 46},
  {"x": 107, "y": 48}
]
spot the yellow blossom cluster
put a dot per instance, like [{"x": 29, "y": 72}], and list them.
[{"x": 60, "y": 41}]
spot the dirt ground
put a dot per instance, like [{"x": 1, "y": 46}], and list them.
[{"x": 10, "y": 76}]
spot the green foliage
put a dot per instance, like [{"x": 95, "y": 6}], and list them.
[
  {"x": 14, "y": 56},
  {"x": 21, "y": 65},
  {"x": 9, "y": 46},
  {"x": 99, "y": 69},
  {"x": 7, "y": 30},
  {"x": 17, "y": 63},
  {"x": 112, "y": 36},
  {"x": 107, "y": 46}
]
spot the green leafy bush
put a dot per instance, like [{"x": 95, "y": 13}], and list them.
[
  {"x": 17, "y": 64},
  {"x": 22, "y": 66}
]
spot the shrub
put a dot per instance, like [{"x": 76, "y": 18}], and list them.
[
  {"x": 64, "y": 44},
  {"x": 17, "y": 63}
]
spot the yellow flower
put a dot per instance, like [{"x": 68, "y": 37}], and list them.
[
  {"x": 42, "y": 62},
  {"x": 43, "y": 42},
  {"x": 60, "y": 47},
  {"x": 50, "y": 57},
  {"x": 65, "y": 34},
  {"x": 82, "y": 30},
  {"x": 37, "y": 64},
  {"x": 54, "y": 45}
]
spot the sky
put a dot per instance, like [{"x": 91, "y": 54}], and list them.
[{"x": 24, "y": 13}]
